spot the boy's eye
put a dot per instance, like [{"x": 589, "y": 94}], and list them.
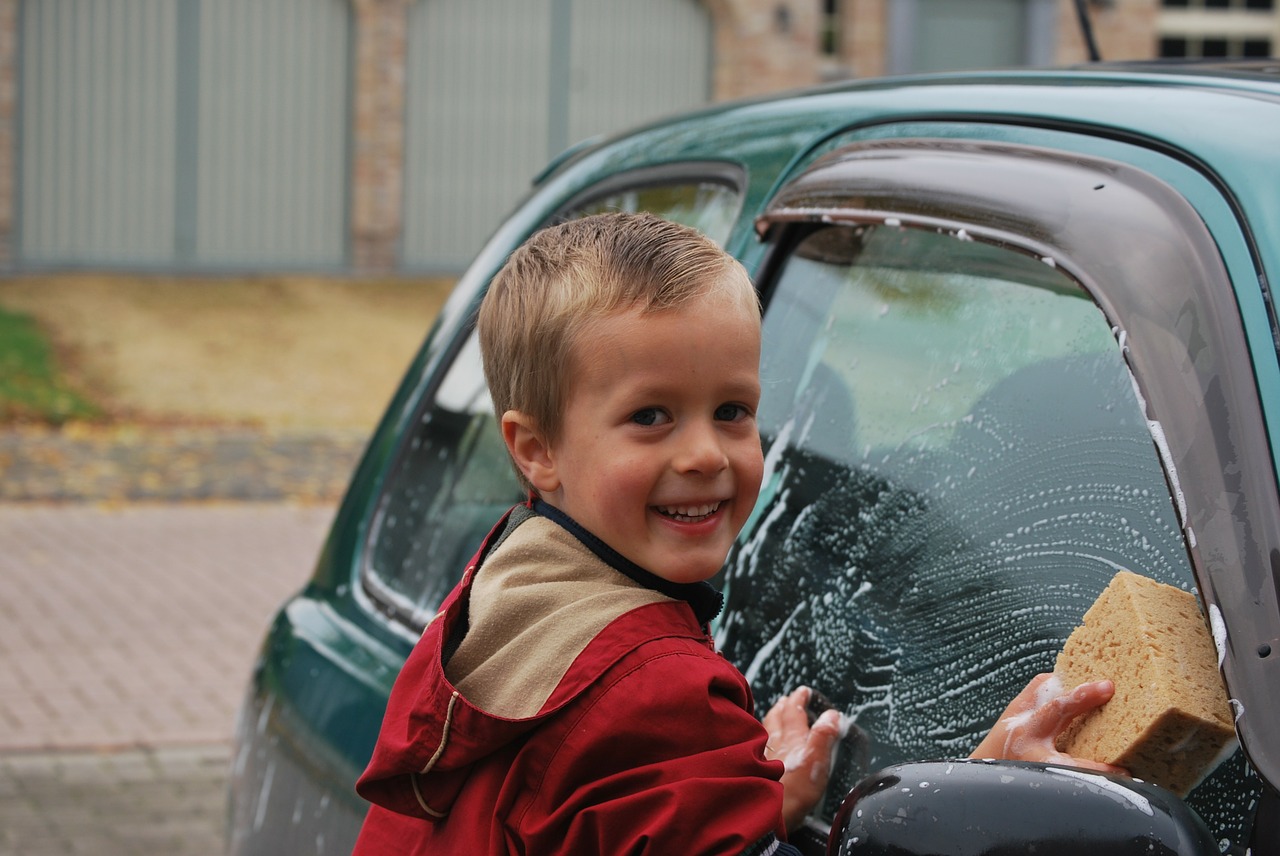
[
  {"x": 649, "y": 416},
  {"x": 731, "y": 412}
]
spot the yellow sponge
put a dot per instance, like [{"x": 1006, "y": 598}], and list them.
[{"x": 1170, "y": 720}]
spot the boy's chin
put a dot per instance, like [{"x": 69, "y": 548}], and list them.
[
  {"x": 693, "y": 571},
  {"x": 679, "y": 555}
]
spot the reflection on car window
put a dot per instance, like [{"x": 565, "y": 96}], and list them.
[
  {"x": 956, "y": 465},
  {"x": 708, "y": 206},
  {"x": 449, "y": 488},
  {"x": 452, "y": 479}
]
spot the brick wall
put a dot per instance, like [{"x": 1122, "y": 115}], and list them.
[
  {"x": 764, "y": 46},
  {"x": 863, "y": 37},
  {"x": 8, "y": 130},
  {"x": 377, "y": 158},
  {"x": 1122, "y": 29}
]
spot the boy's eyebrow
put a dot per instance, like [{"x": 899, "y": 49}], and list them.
[
  {"x": 745, "y": 388},
  {"x": 738, "y": 388}
]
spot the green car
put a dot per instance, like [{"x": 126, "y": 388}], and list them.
[{"x": 1018, "y": 335}]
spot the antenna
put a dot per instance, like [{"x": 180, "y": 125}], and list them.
[{"x": 1086, "y": 30}]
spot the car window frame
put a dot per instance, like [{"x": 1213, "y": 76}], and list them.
[{"x": 1015, "y": 195}]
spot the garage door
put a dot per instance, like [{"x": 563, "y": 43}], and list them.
[
  {"x": 201, "y": 133},
  {"x": 497, "y": 88}
]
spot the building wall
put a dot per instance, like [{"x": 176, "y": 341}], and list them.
[
  {"x": 759, "y": 46},
  {"x": 377, "y": 150},
  {"x": 863, "y": 39},
  {"x": 1195, "y": 30},
  {"x": 763, "y": 46},
  {"x": 8, "y": 111},
  {"x": 1123, "y": 30}
]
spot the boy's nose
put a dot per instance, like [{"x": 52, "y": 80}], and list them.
[{"x": 701, "y": 451}]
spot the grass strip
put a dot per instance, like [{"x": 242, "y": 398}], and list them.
[{"x": 31, "y": 387}]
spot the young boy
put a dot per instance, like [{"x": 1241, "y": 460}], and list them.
[{"x": 568, "y": 698}]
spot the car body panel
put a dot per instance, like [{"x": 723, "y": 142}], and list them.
[{"x": 327, "y": 665}]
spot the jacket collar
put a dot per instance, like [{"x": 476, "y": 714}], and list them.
[{"x": 705, "y": 601}]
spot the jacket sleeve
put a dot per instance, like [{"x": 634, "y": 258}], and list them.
[{"x": 665, "y": 757}]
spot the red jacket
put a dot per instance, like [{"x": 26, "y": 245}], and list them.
[{"x": 646, "y": 743}]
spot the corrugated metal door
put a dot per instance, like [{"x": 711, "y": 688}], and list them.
[
  {"x": 476, "y": 127},
  {"x": 497, "y": 88},
  {"x": 944, "y": 35},
  {"x": 195, "y": 133},
  {"x": 98, "y": 128},
  {"x": 959, "y": 34},
  {"x": 272, "y": 131},
  {"x": 635, "y": 61}
]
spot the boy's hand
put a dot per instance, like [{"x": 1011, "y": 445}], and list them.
[
  {"x": 1032, "y": 722},
  {"x": 804, "y": 752}
]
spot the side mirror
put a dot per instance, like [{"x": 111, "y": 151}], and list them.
[{"x": 978, "y": 808}]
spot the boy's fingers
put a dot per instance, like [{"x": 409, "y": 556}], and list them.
[
  {"x": 1093, "y": 694},
  {"x": 828, "y": 724},
  {"x": 824, "y": 735},
  {"x": 789, "y": 710},
  {"x": 1079, "y": 701},
  {"x": 786, "y": 722},
  {"x": 1029, "y": 727}
]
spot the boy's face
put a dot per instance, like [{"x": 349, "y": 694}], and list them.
[{"x": 659, "y": 454}]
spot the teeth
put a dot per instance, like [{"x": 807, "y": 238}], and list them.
[{"x": 689, "y": 512}]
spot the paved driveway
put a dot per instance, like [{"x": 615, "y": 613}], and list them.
[{"x": 127, "y": 634}]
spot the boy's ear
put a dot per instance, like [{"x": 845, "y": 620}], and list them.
[{"x": 530, "y": 450}]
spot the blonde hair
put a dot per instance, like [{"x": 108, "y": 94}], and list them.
[{"x": 564, "y": 277}]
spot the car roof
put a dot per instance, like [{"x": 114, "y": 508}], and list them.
[
  {"x": 1258, "y": 69},
  {"x": 1194, "y": 112},
  {"x": 1099, "y": 96},
  {"x": 1221, "y": 119}
]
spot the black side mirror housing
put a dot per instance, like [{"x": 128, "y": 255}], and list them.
[{"x": 992, "y": 808}]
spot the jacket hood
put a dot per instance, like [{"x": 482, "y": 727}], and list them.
[{"x": 481, "y": 679}]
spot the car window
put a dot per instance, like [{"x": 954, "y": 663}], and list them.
[
  {"x": 956, "y": 466},
  {"x": 452, "y": 480},
  {"x": 708, "y": 206}
]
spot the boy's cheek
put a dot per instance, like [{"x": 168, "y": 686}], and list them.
[
  {"x": 756, "y": 476},
  {"x": 749, "y": 493}
]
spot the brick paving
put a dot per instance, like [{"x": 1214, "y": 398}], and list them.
[
  {"x": 138, "y": 624},
  {"x": 127, "y": 634}
]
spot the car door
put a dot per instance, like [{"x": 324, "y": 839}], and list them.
[{"x": 994, "y": 375}]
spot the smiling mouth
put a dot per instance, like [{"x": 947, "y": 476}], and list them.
[{"x": 689, "y": 513}]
